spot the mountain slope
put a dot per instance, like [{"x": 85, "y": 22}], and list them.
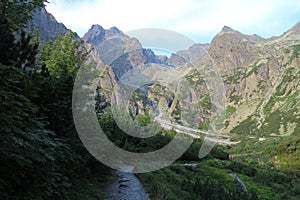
[
  {"x": 118, "y": 50},
  {"x": 46, "y": 25},
  {"x": 261, "y": 78}
]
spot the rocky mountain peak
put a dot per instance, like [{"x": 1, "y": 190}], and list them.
[
  {"x": 97, "y": 34},
  {"x": 97, "y": 28},
  {"x": 46, "y": 24},
  {"x": 115, "y": 30},
  {"x": 292, "y": 36},
  {"x": 226, "y": 29},
  {"x": 235, "y": 48},
  {"x": 295, "y": 28}
]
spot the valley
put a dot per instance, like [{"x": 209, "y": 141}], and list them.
[{"x": 238, "y": 96}]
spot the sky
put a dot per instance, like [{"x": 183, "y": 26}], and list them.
[{"x": 200, "y": 20}]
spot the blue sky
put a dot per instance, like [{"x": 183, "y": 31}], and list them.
[{"x": 199, "y": 20}]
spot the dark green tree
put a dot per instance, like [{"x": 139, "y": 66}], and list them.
[{"x": 14, "y": 15}]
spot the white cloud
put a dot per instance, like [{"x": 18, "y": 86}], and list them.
[{"x": 200, "y": 20}]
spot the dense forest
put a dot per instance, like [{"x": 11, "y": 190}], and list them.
[{"x": 42, "y": 156}]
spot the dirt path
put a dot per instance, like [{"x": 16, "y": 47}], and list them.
[{"x": 126, "y": 187}]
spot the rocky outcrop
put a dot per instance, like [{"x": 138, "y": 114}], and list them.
[
  {"x": 194, "y": 53},
  {"x": 97, "y": 34},
  {"x": 118, "y": 50},
  {"x": 230, "y": 49},
  {"x": 46, "y": 25}
]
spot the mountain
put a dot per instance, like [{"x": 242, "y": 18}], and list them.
[
  {"x": 261, "y": 78},
  {"x": 97, "y": 34},
  {"x": 118, "y": 50},
  {"x": 191, "y": 55},
  {"x": 46, "y": 25}
]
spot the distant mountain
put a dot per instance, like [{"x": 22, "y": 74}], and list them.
[
  {"x": 261, "y": 76},
  {"x": 191, "y": 55},
  {"x": 46, "y": 25},
  {"x": 118, "y": 50},
  {"x": 97, "y": 34}
]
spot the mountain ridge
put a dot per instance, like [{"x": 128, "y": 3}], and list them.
[
  {"x": 46, "y": 25},
  {"x": 260, "y": 76}
]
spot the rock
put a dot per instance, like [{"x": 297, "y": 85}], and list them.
[
  {"x": 123, "y": 185},
  {"x": 47, "y": 25},
  {"x": 123, "y": 180},
  {"x": 97, "y": 34},
  {"x": 227, "y": 29}
]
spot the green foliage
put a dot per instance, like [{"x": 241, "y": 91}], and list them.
[
  {"x": 235, "y": 78},
  {"x": 279, "y": 152},
  {"x": 143, "y": 120},
  {"x": 254, "y": 69},
  {"x": 176, "y": 114},
  {"x": 32, "y": 156},
  {"x": 242, "y": 168},
  {"x": 41, "y": 154},
  {"x": 274, "y": 123},
  {"x": 63, "y": 57},
  {"x": 183, "y": 182},
  {"x": 16, "y": 13},
  {"x": 296, "y": 52},
  {"x": 287, "y": 78},
  {"x": 205, "y": 103},
  {"x": 14, "y": 44},
  {"x": 245, "y": 127},
  {"x": 269, "y": 106},
  {"x": 230, "y": 110},
  {"x": 283, "y": 115},
  {"x": 193, "y": 151},
  {"x": 204, "y": 125},
  {"x": 233, "y": 97},
  {"x": 195, "y": 78}
]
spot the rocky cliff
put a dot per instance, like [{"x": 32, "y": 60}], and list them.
[
  {"x": 118, "y": 50},
  {"x": 46, "y": 25}
]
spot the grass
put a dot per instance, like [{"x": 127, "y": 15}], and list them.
[
  {"x": 205, "y": 103},
  {"x": 296, "y": 52},
  {"x": 230, "y": 110},
  {"x": 235, "y": 78},
  {"x": 210, "y": 180},
  {"x": 195, "y": 78},
  {"x": 282, "y": 115},
  {"x": 286, "y": 150},
  {"x": 245, "y": 127},
  {"x": 254, "y": 69}
]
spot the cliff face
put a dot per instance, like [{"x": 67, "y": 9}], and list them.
[
  {"x": 261, "y": 76},
  {"x": 118, "y": 50},
  {"x": 97, "y": 34},
  {"x": 46, "y": 25}
]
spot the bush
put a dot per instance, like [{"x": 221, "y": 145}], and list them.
[{"x": 242, "y": 168}]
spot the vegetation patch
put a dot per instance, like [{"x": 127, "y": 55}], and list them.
[{"x": 230, "y": 110}]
